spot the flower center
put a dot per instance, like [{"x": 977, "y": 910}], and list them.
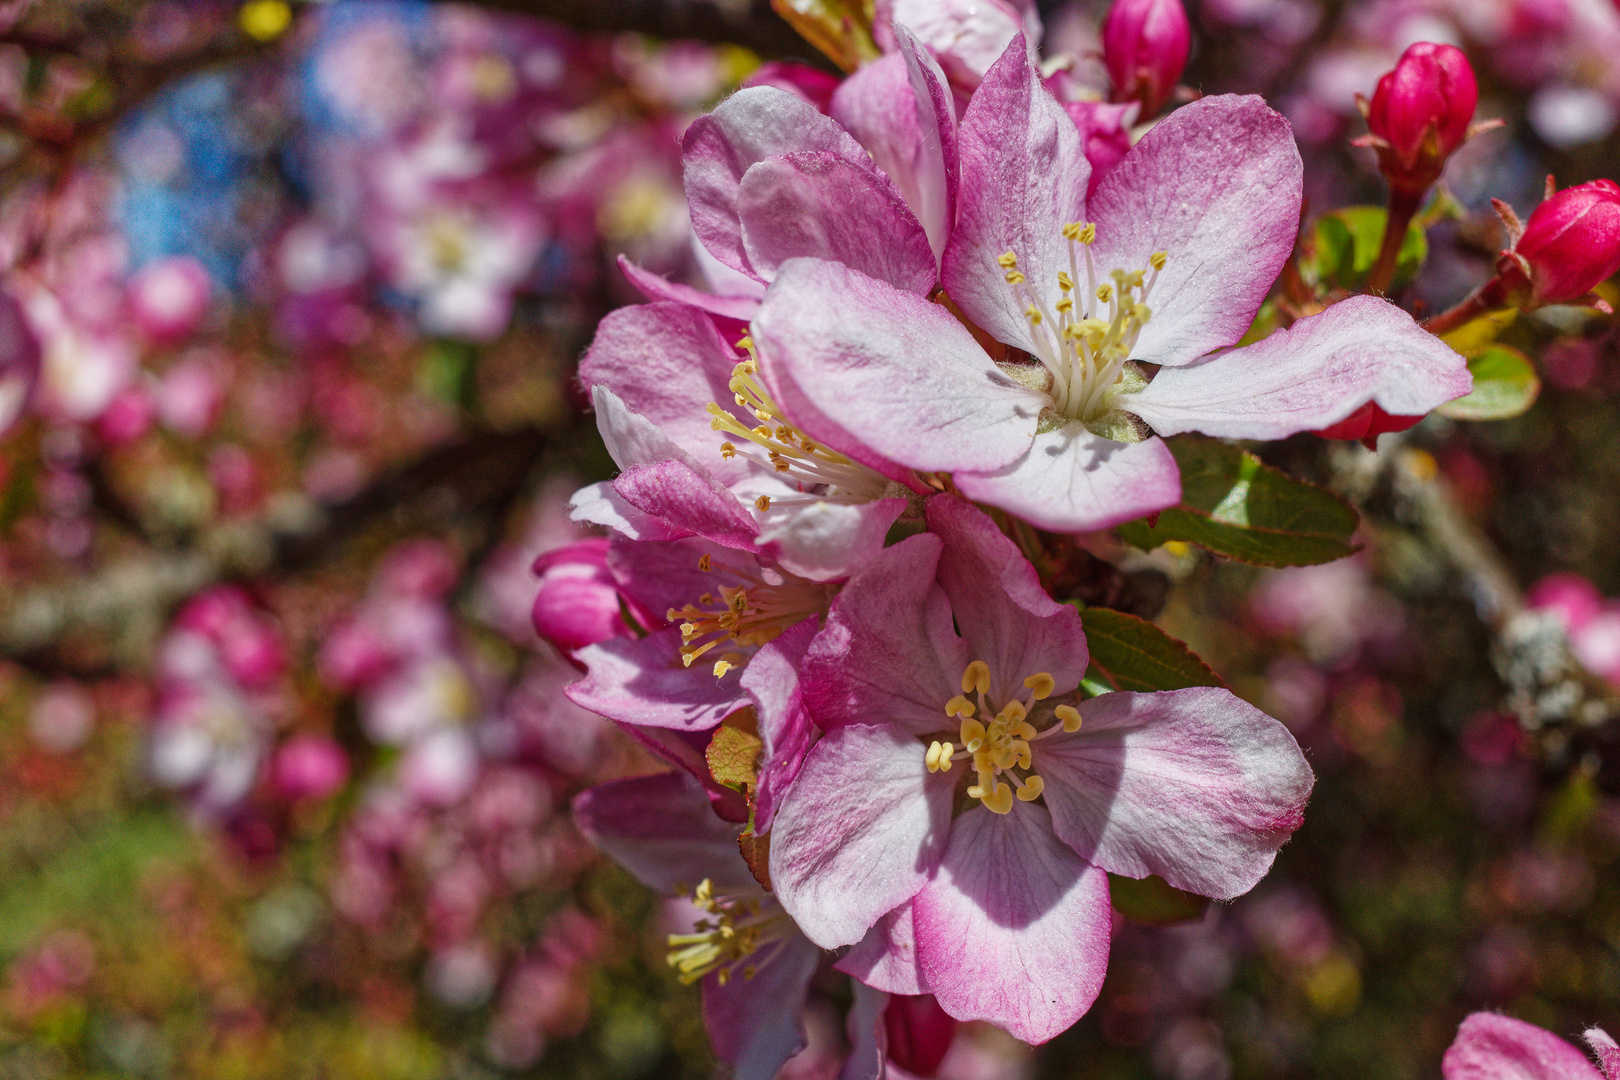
[
  {"x": 1001, "y": 746},
  {"x": 738, "y": 926},
  {"x": 779, "y": 448},
  {"x": 762, "y": 604},
  {"x": 1085, "y": 339}
]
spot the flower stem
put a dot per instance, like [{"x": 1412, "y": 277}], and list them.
[
  {"x": 1491, "y": 296},
  {"x": 1403, "y": 206}
]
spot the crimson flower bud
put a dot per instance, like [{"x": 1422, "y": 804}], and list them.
[
  {"x": 1421, "y": 111},
  {"x": 578, "y": 601},
  {"x": 1366, "y": 424},
  {"x": 920, "y": 1033},
  {"x": 1572, "y": 242},
  {"x": 1145, "y": 46}
]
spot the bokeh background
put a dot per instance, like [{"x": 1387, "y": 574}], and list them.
[{"x": 284, "y": 769}]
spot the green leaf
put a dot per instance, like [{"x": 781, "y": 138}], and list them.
[
  {"x": 1475, "y": 336},
  {"x": 1128, "y": 653},
  {"x": 840, "y": 28},
  {"x": 1235, "y": 506},
  {"x": 1505, "y": 385},
  {"x": 1153, "y": 901},
  {"x": 1343, "y": 245},
  {"x": 733, "y": 756}
]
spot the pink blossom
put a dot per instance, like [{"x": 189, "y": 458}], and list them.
[
  {"x": 1001, "y": 912},
  {"x": 1066, "y": 442},
  {"x": 1490, "y": 1046},
  {"x": 965, "y": 35},
  {"x": 169, "y": 297},
  {"x": 309, "y": 767},
  {"x": 812, "y": 84},
  {"x": 1105, "y": 135},
  {"x": 1145, "y": 46}
]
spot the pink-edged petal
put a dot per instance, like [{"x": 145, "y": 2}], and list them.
[
  {"x": 599, "y": 504},
  {"x": 751, "y": 125},
  {"x": 666, "y": 363},
  {"x": 660, "y": 828},
  {"x": 868, "y": 1036},
  {"x": 656, "y": 287},
  {"x": 1196, "y": 786},
  {"x": 886, "y": 958},
  {"x": 900, "y": 109},
  {"x": 1073, "y": 480},
  {"x": 858, "y": 833},
  {"x": 1014, "y": 926},
  {"x": 771, "y": 680},
  {"x": 1311, "y": 375},
  {"x": 689, "y": 502},
  {"x": 828, "y": 541},
  {"x": 1003, "y": 611},
  {"x": 1493, "y": 1047},
  {"x": 1024, "y": 175},
  {"x": 663, "y": 576},
  {"x": 1216, "y": 186},
  {"x": 889, "y": 653},
  {"x": 1606, "y": 1049},
  {"x": 968, "y": 35},
  {"x": 643, "y": 681},
  {"x": 818, "y": 205},
  {"x": 757, "y": 1024},
  {"x": 890, "y": 368}
]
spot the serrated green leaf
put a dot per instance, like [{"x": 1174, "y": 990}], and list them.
[
  {"x": 1505, "y": 385},
  {"x": 1128, "y": 653},
  {"x": 1234, "y": 505},
  {"x": 1153, "y": 901},
  {"x": 733, "y": 757},
  {"x": 842, "y": 29},
  {"x": 1343, "y": 245}
]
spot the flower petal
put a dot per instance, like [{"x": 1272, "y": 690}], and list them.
[
  {"x": 1075, "y": 481},
  {"x": 1493, "y": 1047},
  {"x": 656, "y": 287},
  {"x": 1003, "y": 610},
  {"x": 886, "y": 958},
  {"x": 858, "y": 833},
  {"x": 888, "y": 367},
  {"x": 643, "y": 681},
  {"x": 1024, "y": 174},
  {"x": 826, "y": 541},
  {"x": 666, "y": 363},
  {"x": 868, "y": 1036},
  {"x": 1196, "y": 786},
  {"x": 889, "y": 653},
  {"x": 599, "y": 504},
  {"x": 1014, "y": 927},
  {"x": 1216, "y": 186},
  {"x": 751, "y": 125},
  {"x": 688, "y": 502},
  {"x": 757, "y": 1024},
  {"x": 660, "y": 828},
  {"x": 771, "y": 680},
  {"x": 1311, "y": 375},
  {"x": 821, "y": 206}
]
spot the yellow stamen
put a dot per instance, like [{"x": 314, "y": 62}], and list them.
[
  {"x": 959, "y": 706},
  {"x": 976, "y": 678},
  {"x": 763, "y": 503},
  {"x": 1070, "y": 717},
  {"x": 1158, "y": 259},
  {"x": 1041, "y": 684},
  {"x": 1007, "y": 260},
  {"x": 1031, "y": 789}
]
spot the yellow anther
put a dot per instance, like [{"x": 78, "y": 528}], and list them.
[
  {"x": 946, "y": 750},
  {"x": 1088, "y": 234},
  {"x": 960, "y": 706},
  {"x": 1065, "y": 305},
  {"x": 763, "y": 431},
  {"x": 1141, "y": 312},
  {"x": 705, "y": 563},
  {"x": 1070, "y": 716},
  {"x": 1158, "y": 259},
  {"x": 1135, "y": 279},
  {"x": 1033, "y": 314},
  {"x": 1012, "y": 714},
  {"x": 1005, "y": 755},
  {"x": 976, "y": 677},
  {"x": 1072, "y": 230},
  {"x": 1000, "y": 799},
  {"x": 931, "y": 759},
  {"x": 1105, "y": 292},
  {"x": 763, "y": 503},
  {"x": 721, "y": 667},
  {"x": 971, "y": 733},
  {"x": 1031, "y": 789},
  {"x": 1007, "y": 260},
  {"x": 1064, "y": 281},
  {"x": 745, "y": 342},
  {"x": 1041, "y": 684},
  {"x": 1015, "y": 277},
  {"x": 1026, "y": 730},
  {"x": 1025, "y": 754},
  {"x": 728, "y": 451}
]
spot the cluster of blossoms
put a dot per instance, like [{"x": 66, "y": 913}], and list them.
[{"x": 938, "y": 296}]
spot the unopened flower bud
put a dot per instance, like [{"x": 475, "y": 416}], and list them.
[
  {"x": 1145, "y": 46},
  {"x": 1420, "y": 113},
  {"x": 578, "y": 602},
  {"x": 1572, "y": 242},
  {"x": 1105, "y": 133},
  {"x": 919, "y": 1031},
  {"x": 1366, "y": 424}
]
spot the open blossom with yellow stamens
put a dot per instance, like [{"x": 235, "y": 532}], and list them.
[
  {"x": 1166, "y": 264},
  {"x": 741, "y": 932},
  {"x": 984, "y": 882}
]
